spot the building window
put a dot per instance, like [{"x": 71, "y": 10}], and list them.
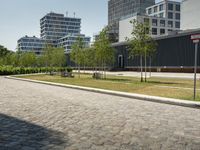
[
  {"x": 178, "y": 7},
  {"x": 161, "y": 15},
  {"x": 177, "y": 25},
  {"x": 161, "y": 7},
  {"x": 170, "y": 24},
  {"x": 170, "y": 6},
  {"x": 154, "y": 22},
  {"x": 162, "y": 31},
  {"x": 146, "y": 21},
  {"x": 162, "y": 23},
  {"x": 170, "y": 15},
  {"x": 178, "y": 16},
  {"x": 155, "y": 9},
  {"x": 154, "y": 31},
  {"x": 149, "y": 11}
]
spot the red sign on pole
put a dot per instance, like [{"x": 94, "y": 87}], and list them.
[{"x": 195, "y": 37}]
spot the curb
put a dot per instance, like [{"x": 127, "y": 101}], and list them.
[{"x": 157, "y": 99}]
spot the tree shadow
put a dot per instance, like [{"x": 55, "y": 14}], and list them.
[
  {"x": 16, "y": 134},
  {"x": 117, "y": 80},
  {"x": 163, "y": 82}
]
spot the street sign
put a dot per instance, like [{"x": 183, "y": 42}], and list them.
[
  {"x": 195, "y": 41},
  {"x": 195, "y": 37}
]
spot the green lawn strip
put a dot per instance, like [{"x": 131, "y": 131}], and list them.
[{"x": 129, "y": 84}]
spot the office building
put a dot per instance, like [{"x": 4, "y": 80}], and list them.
[
  {"x": 190, "y": 12},
  {"x": 163, "y": 19},
  {"x": 55, "y": 26},
  {"x": 165, "y": 9},
  {"x": 68, "y": 40},
  {"x": 118, "y": 9},
  {"x": 31, "y": 44},
  {"x": 158, "y": 26}
]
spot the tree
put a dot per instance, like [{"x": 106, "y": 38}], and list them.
[
  {"x": 141, "y": 44},
  {"x": 53, "y": 57},
  {"x": 76, "y": 54},
  {"x": 28, "y": 59},
  {"x": 104, "y": 53}
]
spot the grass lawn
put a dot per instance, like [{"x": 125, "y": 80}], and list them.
[{"x": 164, "y": 87}]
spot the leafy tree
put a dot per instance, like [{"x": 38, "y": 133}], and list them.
[
  {"x": 77, "y": 54},
  {"x": 52, "y": 57},
  {"x": 28, "y": 59},
  {"x": 141, "y": 44},
  {"x": 104, "y": 53}
]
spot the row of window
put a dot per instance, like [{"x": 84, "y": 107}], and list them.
[
  {"x": 162, "y": 31},
  {"x": 161, "y": 8},
  {"x": 163, "y": 23}
]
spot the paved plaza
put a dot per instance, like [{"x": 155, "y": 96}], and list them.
[{"x": 38, "y": 117}]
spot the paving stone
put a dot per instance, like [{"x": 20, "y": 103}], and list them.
[{"x": 42, "y": 117}]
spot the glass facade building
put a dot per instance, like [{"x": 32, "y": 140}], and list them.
[
  {"x": 117, "y": 9},
  {"x": 55, "y": 26},
  {"x": 68, "y": 40},
  {"x": 31, "y": 44}
]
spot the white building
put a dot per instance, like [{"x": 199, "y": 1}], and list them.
[
  {"x": 163, "y": 18},
  {"x": 190, "y": 12}
]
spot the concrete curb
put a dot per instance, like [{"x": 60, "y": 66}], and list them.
[{"x": 170, "y": 101}]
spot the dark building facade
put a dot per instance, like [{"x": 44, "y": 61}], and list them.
[
  {"x": 174, "y": 53},
  {"x": 118, "y": 9}
]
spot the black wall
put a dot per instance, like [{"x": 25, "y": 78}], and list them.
[{"x": 172, "y": 52}]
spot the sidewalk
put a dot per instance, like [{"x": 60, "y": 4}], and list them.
[{"x": 153, "y": 74}]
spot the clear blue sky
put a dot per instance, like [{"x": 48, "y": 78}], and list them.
[{"x": 21, "y": 17}]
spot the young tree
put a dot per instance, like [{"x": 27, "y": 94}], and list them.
[
  {"x": 104, "y": 53},
  {"x": 141, "y": 43},
  {"x": 76, "y": 54}
]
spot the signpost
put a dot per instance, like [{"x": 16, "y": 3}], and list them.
[{"x": 195, "y": 39}]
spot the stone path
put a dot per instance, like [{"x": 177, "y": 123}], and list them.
[{"x": 38, "y": 117}]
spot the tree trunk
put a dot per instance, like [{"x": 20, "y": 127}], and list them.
[
  {"x": 141, "y": 68},
  {"x": 150, "y": 66},
  {"x": 145, "y": 63},
  {"x": 79, "y": 71}
]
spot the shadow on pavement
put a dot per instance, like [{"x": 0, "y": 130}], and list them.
[{"x": 16, "y": 134}]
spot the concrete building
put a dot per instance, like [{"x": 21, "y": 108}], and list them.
[
  {"x": 163, "y": 18},
  {"x": 31, "y": 44},
  {"x": 190, "y": 12},
  {"x": 165, "y": 9},
  {"x": 117, "y": 9},
  {"x": 68, "y": 40},
  {"x": 158, "y": 26},
  {"x": 55, "y": 26}
]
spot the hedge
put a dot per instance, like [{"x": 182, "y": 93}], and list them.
[{"x": 8, "y": 70}]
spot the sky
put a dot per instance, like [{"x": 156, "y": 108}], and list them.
[{"x": 22, "y": 17}]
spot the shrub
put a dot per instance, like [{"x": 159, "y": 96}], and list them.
[{"x": 9, "y": 70}]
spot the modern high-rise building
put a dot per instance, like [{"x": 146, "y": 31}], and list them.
[
  {"x": 117, "y": 9},
  {"x": 55, "y": 26},
  {"x": 190, "y": 12}
]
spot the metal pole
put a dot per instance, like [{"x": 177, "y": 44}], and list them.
[{"x": 195, "y": 70}]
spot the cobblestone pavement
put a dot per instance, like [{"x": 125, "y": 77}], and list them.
[{"x": 37, "y": 117}]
